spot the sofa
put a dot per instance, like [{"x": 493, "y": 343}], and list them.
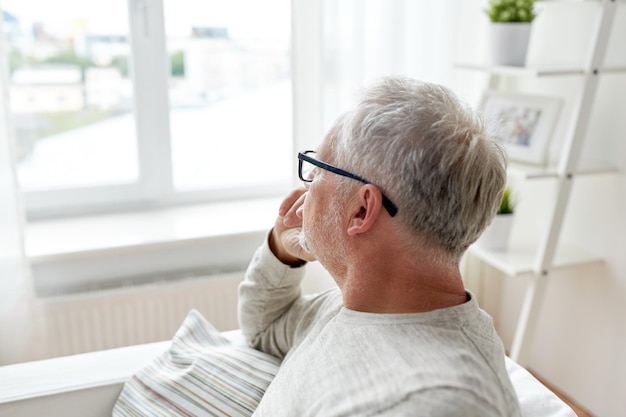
[{"x": 88, "y": 385}]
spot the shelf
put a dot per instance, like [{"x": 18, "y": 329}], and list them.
[
  {"x": 521, "y": 71},
  {"x": 519, "y": 261},
  {"x": 538, "y": 259},
  {"x": 530, "y": 172},
  {"x": 535, "y": 72}
]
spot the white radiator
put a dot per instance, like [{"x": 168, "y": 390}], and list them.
[{"x": 127, "y": 316}]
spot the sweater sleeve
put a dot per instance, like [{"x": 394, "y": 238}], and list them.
[{"x": 270, "y": 305}]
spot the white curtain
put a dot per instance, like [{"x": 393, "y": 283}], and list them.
[
  {"x": 365, "y": 39},
  {"x": 340, "y": 46},
  {"x": 16, "y": 297}
]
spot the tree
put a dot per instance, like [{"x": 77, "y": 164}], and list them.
[{"x": 177, "y": 64}]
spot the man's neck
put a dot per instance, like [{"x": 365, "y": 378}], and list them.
[{"x": 397, "y": 285}]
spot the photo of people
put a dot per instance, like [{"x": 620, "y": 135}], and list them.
[
  {"x": 522, "y": 123},
  {"x": 516, "y": 125}
]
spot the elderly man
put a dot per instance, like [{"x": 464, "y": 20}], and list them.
[{"x": 398, "y": 190}]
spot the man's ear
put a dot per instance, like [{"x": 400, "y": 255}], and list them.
[{"x": 366, "y": 212}]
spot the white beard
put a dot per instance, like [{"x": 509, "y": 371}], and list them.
[
  {"x": 321, "y": 238},
  {"x": 304, "y": 243}
]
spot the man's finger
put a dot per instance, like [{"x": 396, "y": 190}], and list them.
[{"x": 289, "y": 201}]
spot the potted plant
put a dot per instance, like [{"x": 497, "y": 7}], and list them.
[
  {"x": 506, "y": 203},
  {"x": 496, "y": 235},
  {"x": 509, "y": 31}
]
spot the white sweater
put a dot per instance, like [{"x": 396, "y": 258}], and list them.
[{"x": 341, "y": 362}]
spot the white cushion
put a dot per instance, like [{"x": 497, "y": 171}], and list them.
[
  {"x": 202, "y": 373},
  {"x": 536, "y": 400}
]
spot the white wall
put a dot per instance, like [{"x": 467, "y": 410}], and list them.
[{"x": 580, "y": 340}]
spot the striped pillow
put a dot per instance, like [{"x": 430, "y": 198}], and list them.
[{"x": 202, "y": 374}]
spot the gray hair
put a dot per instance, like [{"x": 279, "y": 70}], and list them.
[{"x": 430, "y": 154}]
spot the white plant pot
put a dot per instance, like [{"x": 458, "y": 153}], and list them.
[
  {"x": 509, "y": 43},
  {"x": 496, "y": 235}
]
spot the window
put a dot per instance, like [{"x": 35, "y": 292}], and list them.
[
  {"x": 231, "y": 75},
  {"x": 132, "y": 102},
  {"x": 69, "y": 95}
]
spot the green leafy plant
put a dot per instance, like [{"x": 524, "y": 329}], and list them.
[
  {"x": 507, "y": 204},
  {"x": 501, "y": 11}
]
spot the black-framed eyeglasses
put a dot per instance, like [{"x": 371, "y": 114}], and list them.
[{"x": 306, "y": 172}]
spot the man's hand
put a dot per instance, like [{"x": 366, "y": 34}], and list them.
[{"x": 285, "y": 236}]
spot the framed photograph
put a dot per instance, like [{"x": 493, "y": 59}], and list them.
[{"x": 523, "y": 123}]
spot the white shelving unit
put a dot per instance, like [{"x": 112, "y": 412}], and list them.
[{"x": 549, "y": 254}]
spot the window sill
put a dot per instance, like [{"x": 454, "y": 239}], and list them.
[{"x": 70, "y": 255}]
